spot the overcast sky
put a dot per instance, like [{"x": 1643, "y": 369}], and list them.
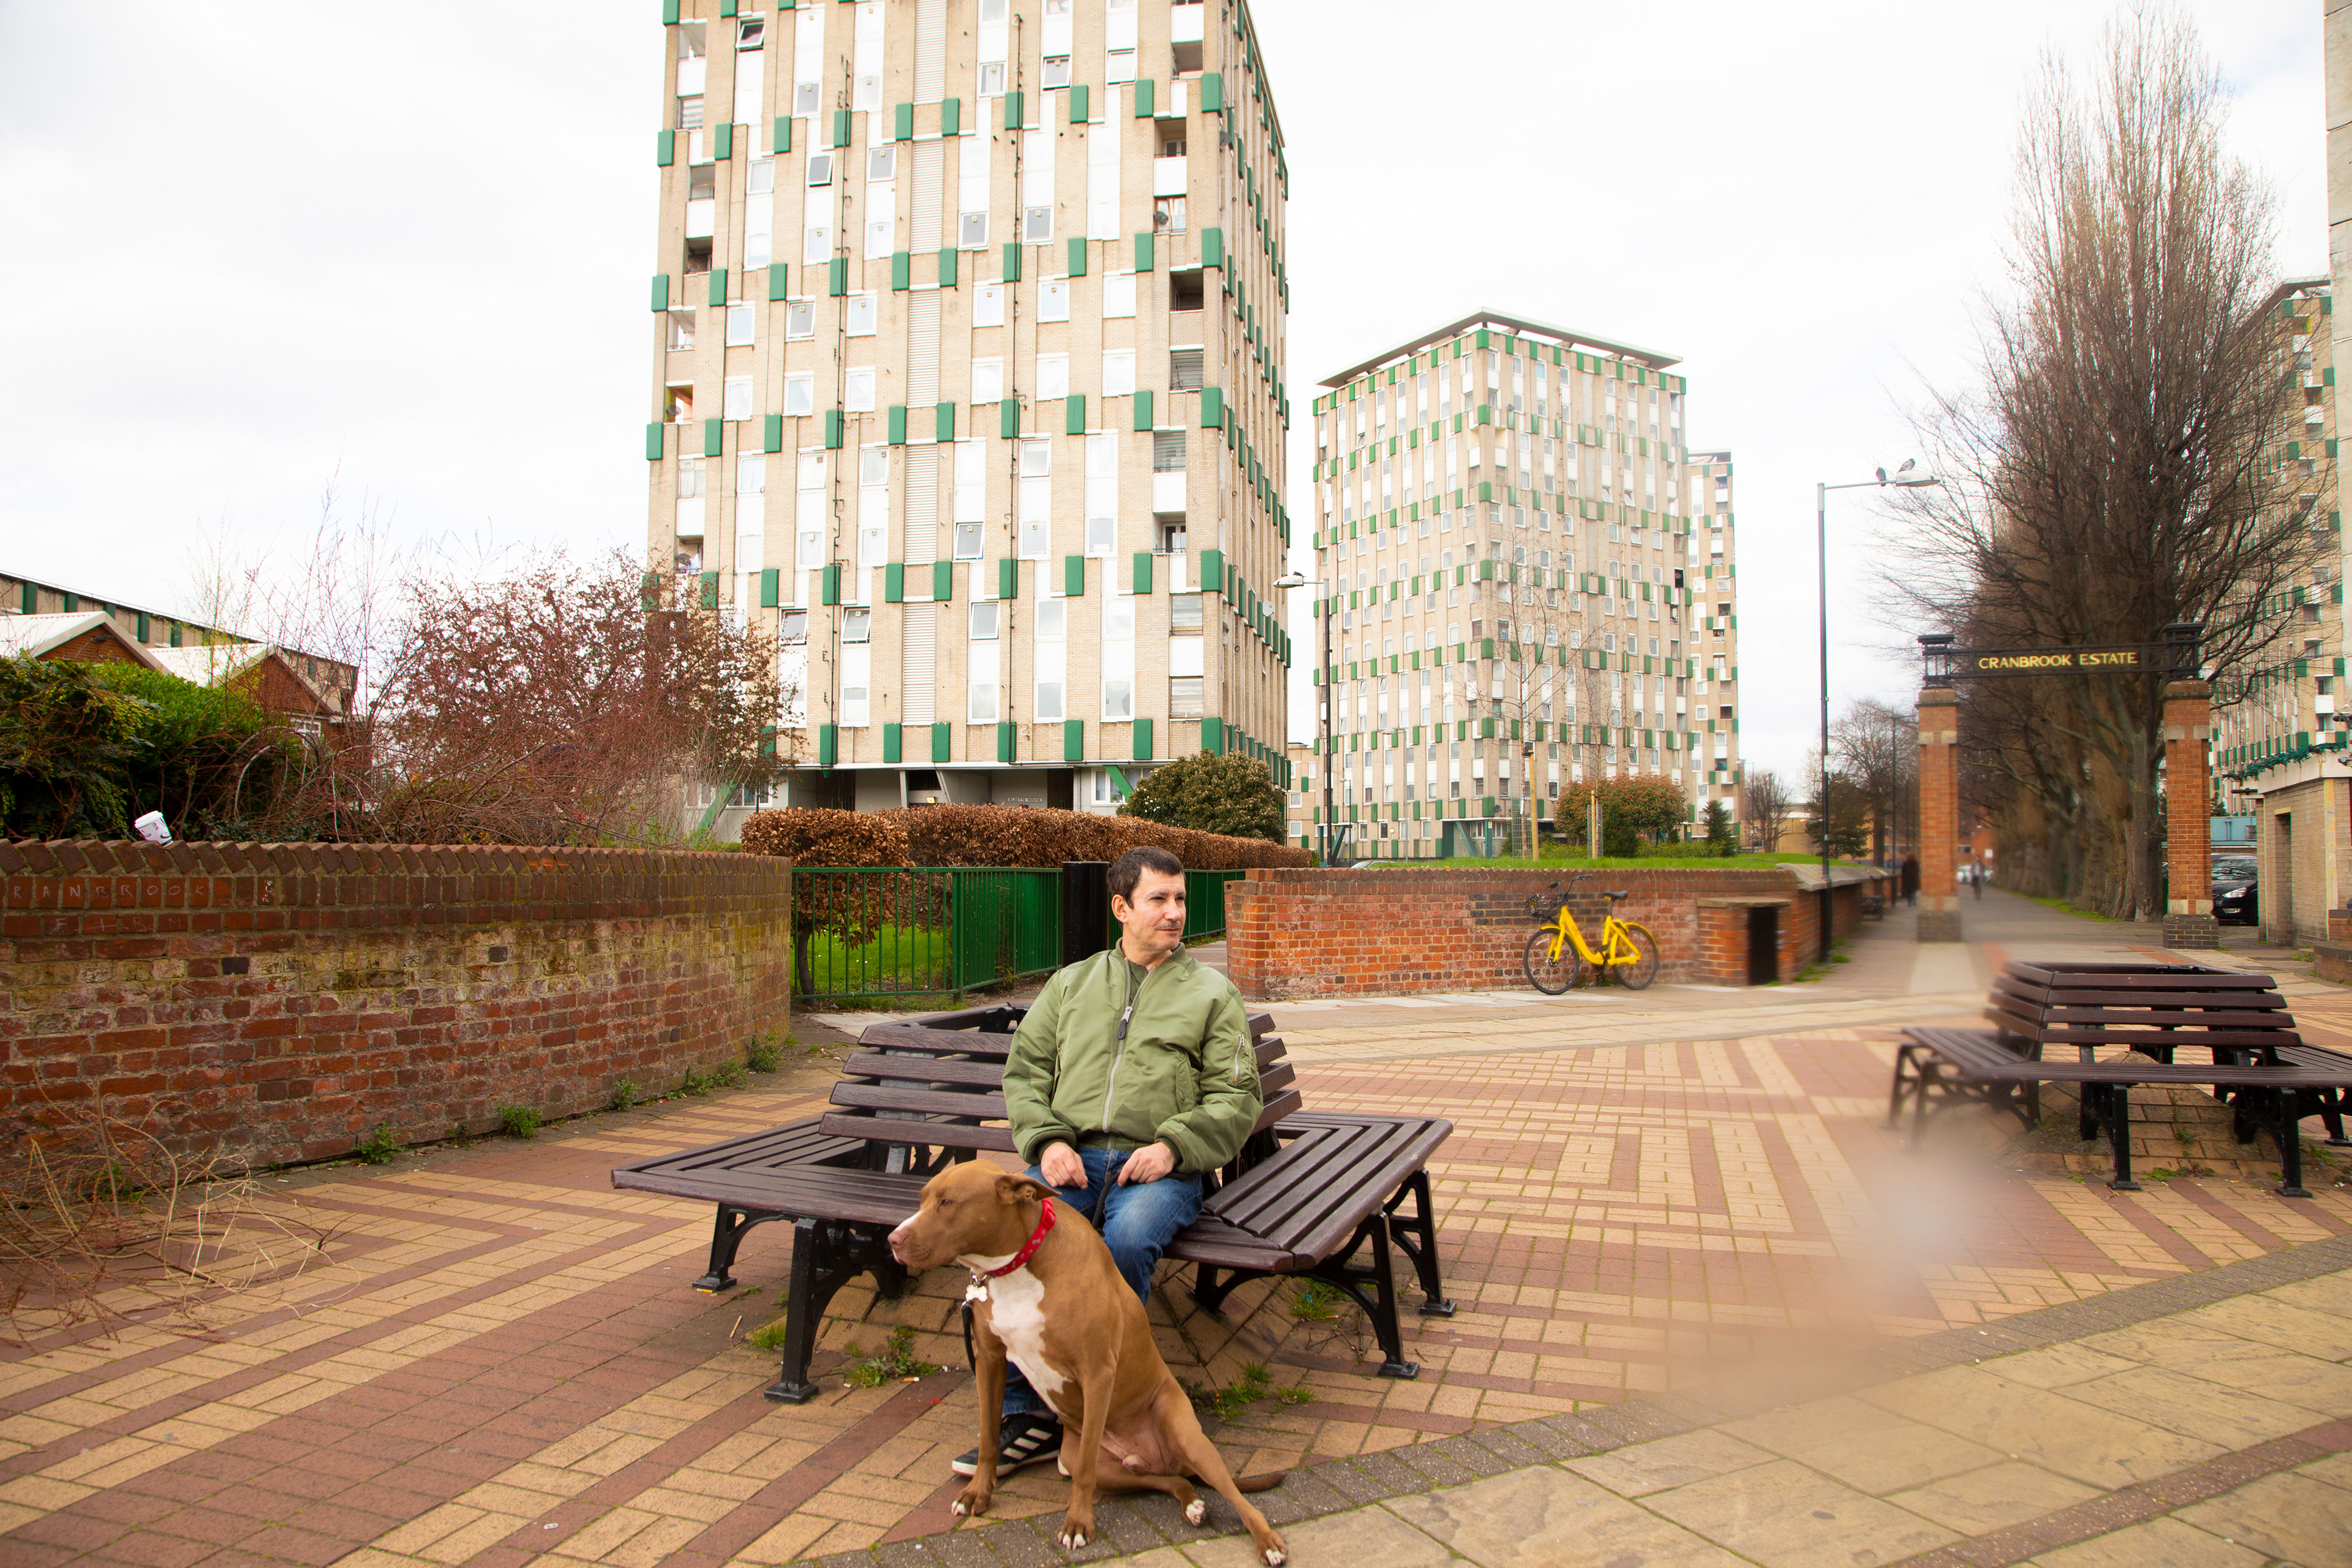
[{"x": 252, "y": 248}]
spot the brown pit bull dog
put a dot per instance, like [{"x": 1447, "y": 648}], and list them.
[{"x": 1046, "y": 1293}]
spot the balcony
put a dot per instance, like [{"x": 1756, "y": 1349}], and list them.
[
  {"x": 1170, "y": 176},
  {"x": 700, "y": 216},
  {"x": 1168, "y": 493},
  {"x": 1186, "y": 24}
]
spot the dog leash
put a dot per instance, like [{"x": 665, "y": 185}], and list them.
[{"x": 978, "y": 1289}]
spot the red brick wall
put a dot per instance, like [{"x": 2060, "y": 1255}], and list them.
[
  {"x": 273, "y": 1002},
  {"x": 1295, "y": 934},
  {"x": 2189, "y": 854}
]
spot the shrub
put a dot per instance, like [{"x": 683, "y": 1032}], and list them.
[
  {"x": 985, "y": 835},
  {"x": 211, "y": 761},
  {"x": 379, "y": 1146},
  {"x": 518, "y": 1121},
  {"x": 625, "y": 1094},
  {"x": 763, "y": 1055},
  {"x": 1650, "y": 807},
  {"x": 66, "y": 747},
  {"x": 1208, "y": 793}
]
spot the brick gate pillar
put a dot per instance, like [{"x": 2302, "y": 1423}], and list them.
[
  {"x": 1940, "y": 814},
  {"x": 2187, "y": 793}
]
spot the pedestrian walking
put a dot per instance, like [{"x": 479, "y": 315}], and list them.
[
  {"x": 1911, "y": 880},
  {"x": 1977, "y": 877}
]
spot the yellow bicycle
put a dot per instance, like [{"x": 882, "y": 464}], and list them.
[{"x": 1558, "y": 957}]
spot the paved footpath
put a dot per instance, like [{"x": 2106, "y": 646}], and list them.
[{"x": 491, "y": 1357}]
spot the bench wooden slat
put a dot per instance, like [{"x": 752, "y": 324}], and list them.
[
  {"x": 2226, "y": 1039},
  {"x": 2203, "y": 1018},
  {"x": 1976, "y": 1056},
  {"x": 988, "y": 1105},
  {"x": 2136, "y": 977},
  {"x": 924, "y": 1069},
  {"x": 925, "y": 1132}
]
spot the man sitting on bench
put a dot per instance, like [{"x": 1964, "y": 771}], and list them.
[{"x": 1132, "y": 1076}]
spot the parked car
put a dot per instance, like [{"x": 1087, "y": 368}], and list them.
[{"x": 2236, "y": 892}]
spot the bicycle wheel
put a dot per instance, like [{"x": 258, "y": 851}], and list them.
[
  {"x": 1645, "y": 967},
  {"x": 1548, "y": 975}
]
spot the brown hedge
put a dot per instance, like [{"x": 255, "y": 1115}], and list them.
[{"x": 993, "y": 836}]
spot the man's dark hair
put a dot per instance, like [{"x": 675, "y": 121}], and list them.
[{"x": 1129, "y": 869}]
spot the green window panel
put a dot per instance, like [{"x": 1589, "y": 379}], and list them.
[
  {"x": 1012, "y": 114},
  {"x": 175, "y": 627},
  {"x": 1074, "y": 740},
  {"x": 771, "y": 433},
  {"x": 143, "y": 633},
  {"x": 1142, "y": 747},
  {"x": 1212, "y": 736},
  {"x": 1080, "y": 103},
  {"x": 661, "y": 292},
  {"x": 837, "y": 279},
  {"x": 941, "y": 741},
  {"x": 29, "y": 598},
  {"x": 779, "y": 280},
  {"x": 828, "y": 745},
  {"x": 1146, "y": 253},
  {"x": 722, "y": 143},
  {"x": 832, "y": 429},
  {"x": 951, "y": 117},
  {"x": 727, "y": 7},
  {"x": 717, "y": 286},
  {"x": 714, "y": 438},
  {"x": 828, "y": 590},
  {"x": 894, "y": 743},
  {"x": 902, "y": 123},
  {"x": 1077, "y": 249},
  {"x": 1212, "y": 408},
  {"x": 1074, "y": 414},
  {"x": 669, "y": 13},
  {"x": 710, "y": 596},
  {"x": 841, "y": 127},
  {"x": 1142, "y": 408},
  {"x": 1145, "y": 98},
  {"x": 665, "y": 148},
  {"x": 770, "y": 586},
  {"x": 902, "y": 269},
  {"x": 652, "y": 450},
  {"x": 1008, "y": 577},
  {"x": 1007, "y": 748},
  {"x": 1074, "y": 576},
  {"x": 1213, "y": 571},
  {"x": 948, "y": 261},
  {"x": 781, "y": 140},
  {"x": 1212, "y": 92},
  {"x": 943, "y": 581},
  {"x": 1011, "y": 273},
  {"x": 1008, "y": 419},
  {"x": 1141, "y": 582},
  {"x": 1212, "y": 247},
  {"x": 943, "y": 421},
  {"x": 898, "y": 418},
  {"x": 894, "y": 582}
]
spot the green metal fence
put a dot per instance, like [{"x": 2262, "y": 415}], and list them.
[
  {"x": 915, "y": 930},
  {"x": 1204, "y": 903}
]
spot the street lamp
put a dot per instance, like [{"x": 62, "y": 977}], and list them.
[
  {"x": 1910, "y": 475},
  {"x": 1323, "y": 654}
]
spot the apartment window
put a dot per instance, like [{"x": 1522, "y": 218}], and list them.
[
  {"x": 992, "y": 78},
  {"x": 1168, "y": 448},
  {"x": 816, "y": 244},
  {"x": 738, "y": 398},
  {"x": 1053, "y": 299},
  {"x": 857, "y": 391},
  {"x": 820, "y": 166},
  {"x": 967, "y": 541},
  {"x": 739, "y": 325},
  {"x": 689, "y": 113},
  {"x": 981, "y": 707},
  {"x": 983, "y": 620},
  {"x": 1184, "y": 611},
  {"x": 1186, "y": 290},
  {"x": 1036, "y": 460},
  {"x": 1184, "y": 370},
  {"x": 881, "y": 235},
  {"x": 1184, "y": 696},
  {"x": 1117, "y": 372},
  {"x": 750, "y": 33},
  {"x": 800, "y": 393},
  {"x": 882, "y": 162},
  {"x": 1168, "y": 215},
  {"x": 678, "y": 406},
  {"x": 1037, "y": 226},
  {"x": 971, "y": 232},
  {"x": 987, "y": 381},
  {"x": 1119, "y": 294},
  {"x": 861, "y": 315},
  {"x": 689, "y": 479},
  {"x": 1053, "y": 376},
  {"x": 988, "y": 305},
  {"x": 794, "y": 628},
  {"x": 697, "y": 256},
  {"x": 681, "y": 329},
  {"x": 858, "y": 625},
  {"x": 1057, "y": 71}
]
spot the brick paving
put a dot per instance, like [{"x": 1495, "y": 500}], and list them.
[{"x": 495, "y": 1357}]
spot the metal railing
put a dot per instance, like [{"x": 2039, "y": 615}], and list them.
[{"x": 890, "y": 930}]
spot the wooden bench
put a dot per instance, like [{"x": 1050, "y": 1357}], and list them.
[
  {"x": 2259, "y": 1067},
  {"x": 1320, "y": 1195}
]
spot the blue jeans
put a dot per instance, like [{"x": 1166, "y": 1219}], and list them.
[{"x": 1137, "y": 1221}]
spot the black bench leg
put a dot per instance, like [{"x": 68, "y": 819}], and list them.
[
  {"x": 1930, "y": 1078},
  {"x": 1208, "y": 1291},
  {"x": 826, "y": 1254},
  {"x": 2289, "y": 1142},
  {"x": 727, "y": 1234},
  {"x": 1417, "y": 1236},
  {"x": 2331, "y": 1116},
  {"x": 2116, "y": 1110},
  {"x": 1904, "y": 1071},
  {"x": 1384, "y": 1313}
]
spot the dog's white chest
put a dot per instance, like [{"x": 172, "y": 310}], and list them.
[{"x": 1016, "y": 1312}]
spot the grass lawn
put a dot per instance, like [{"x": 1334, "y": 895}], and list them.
[
  {"x": 899, "y": 958},
  {"x": 1555, "y": 858}
]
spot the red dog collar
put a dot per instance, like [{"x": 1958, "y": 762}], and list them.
[{"x": 1036, "y": 1239}]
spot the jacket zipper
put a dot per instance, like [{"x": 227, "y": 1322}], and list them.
[{"x": 1118, "y": 1048}]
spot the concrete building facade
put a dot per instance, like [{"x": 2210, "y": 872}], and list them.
[
  {"x": 968, "y": 328},
  {"x": 1526, "y": 581}
]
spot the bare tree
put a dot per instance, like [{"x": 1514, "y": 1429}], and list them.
[
  {"x": 2116, "y": 471},
  {"x": 1876, "y": 746},
  {"x": 1765, "y": 804}
]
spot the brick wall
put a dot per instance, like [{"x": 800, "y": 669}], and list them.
[
  {"x": 272, "y": 1002},
  {"x": 1298, "y": 933}
]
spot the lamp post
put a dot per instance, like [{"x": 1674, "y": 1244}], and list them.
[
  {"x": 1910, "y": 475},
  {"x": 1323, "y": 751}
]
